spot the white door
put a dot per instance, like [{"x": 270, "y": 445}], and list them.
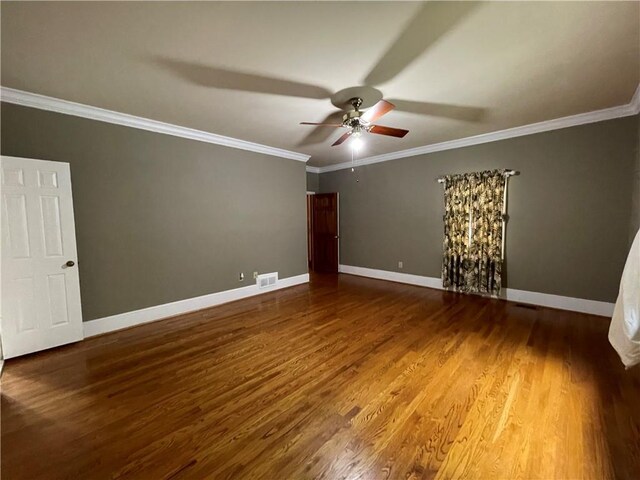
[{"x": 40, "y": 283}]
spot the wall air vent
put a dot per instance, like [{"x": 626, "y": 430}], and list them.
[{"x": 267, "y": 280}]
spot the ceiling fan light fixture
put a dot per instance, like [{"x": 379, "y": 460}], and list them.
[{"x": 357, "y": 143}]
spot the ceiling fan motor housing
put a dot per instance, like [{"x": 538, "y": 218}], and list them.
[{"x": 352, "y": 119}]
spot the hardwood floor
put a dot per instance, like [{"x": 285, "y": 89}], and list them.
[{"x": 345, "y": 378}]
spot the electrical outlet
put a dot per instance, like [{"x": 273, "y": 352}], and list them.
[
  {"x": 400, "y": 264},
  {"x": 241, "y": 277},
  {"x": 255, "y": 275}
]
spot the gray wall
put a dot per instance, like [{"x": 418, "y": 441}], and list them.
[
  {"x": 161, "y": 218},
  {"x": 570, "y": 208},
  {"x": 313, "y": 182}
]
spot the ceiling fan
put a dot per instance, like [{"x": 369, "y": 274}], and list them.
[
  {"x": 359, "y": 122},
  {"x": 430, "y": 21}
]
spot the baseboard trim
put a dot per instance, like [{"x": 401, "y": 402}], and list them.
[
  {"x": 158, "y": 312},
  {"x": 399, "y": 277},
  {"x": 582, "y": 305},
  {"x": 593, "y": 307}
]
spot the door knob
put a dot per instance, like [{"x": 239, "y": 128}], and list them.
[{"x": 70, "y": 263}]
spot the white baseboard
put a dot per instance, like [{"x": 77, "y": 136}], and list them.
[
  {"x": 593, "y": 307},
  {"x": 419, "y": 280},
  {"x": 158, "y": 312}
]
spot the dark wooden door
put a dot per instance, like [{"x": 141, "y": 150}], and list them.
[
  {"x": 310, "y": 231},
  {"x": 325, "y": 232}
]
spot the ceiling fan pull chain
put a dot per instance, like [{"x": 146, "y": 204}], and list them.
[{"x": 352, "y": 165}]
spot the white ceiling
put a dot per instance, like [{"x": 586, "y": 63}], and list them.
[{"x": 253, "y": 71}]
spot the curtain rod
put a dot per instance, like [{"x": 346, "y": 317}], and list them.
[{"x": 508, "y": 173}]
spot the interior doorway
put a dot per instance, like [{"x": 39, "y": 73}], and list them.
[{"x": 323, "y": 238}]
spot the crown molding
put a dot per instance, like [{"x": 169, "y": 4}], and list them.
[
  {"x": 631, "y": 108},
  {"x": 42, "y": 102}
]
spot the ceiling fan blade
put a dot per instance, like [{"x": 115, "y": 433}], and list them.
[
  {"x": 431, "y": 22},
  {"x": 342, "y": 138},
  {"x": 379, "y": 109},
  {"x": 320, "y": 134},
  {"x": 390, "y": 131},
  {"x": 455, "y": 112},
  {"x": 322, "y": 124},
  {"x": 214, "y": 77}
]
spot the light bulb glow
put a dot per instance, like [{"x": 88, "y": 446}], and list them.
[{"x": 357, "y": 143}]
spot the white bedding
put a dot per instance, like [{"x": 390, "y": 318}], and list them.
[{"x": 624, "y": 332}]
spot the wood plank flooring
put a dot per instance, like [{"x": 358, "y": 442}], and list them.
[{"x": 345, "y": 378}]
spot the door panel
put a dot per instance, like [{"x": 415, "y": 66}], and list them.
[
  {"x": 51, "y": 226},
  {"x": 325, "y": 232},
  {"x": 40, "y": 293},
  {"x": 18, "y": 232}
]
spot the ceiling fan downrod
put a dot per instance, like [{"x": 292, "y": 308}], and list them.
[{"x": 356, "y": 102}]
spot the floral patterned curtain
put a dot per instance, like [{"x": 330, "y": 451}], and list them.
[{"x": 473, "y": 232}]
